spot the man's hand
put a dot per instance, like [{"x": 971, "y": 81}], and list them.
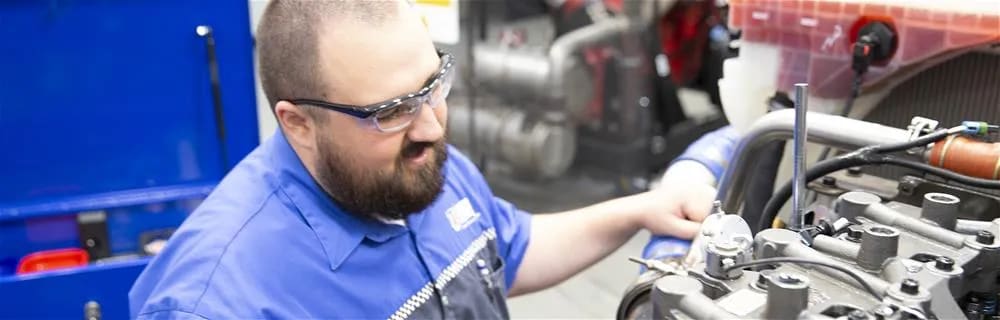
[{"x": 676, "y": 209}]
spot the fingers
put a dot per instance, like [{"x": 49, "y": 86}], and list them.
[
  {"x": 684, "y": 229},
  {"x": 698, "y": 204}
]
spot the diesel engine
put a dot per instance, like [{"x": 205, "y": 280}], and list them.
[{"x": 922, "y": 245}]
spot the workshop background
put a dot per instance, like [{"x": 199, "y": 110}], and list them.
[
  {"x": 565, "y": 183},
  {"x": 561, "y": 104}
]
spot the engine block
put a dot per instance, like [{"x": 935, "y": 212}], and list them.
[{"x": 885, "y": 261}]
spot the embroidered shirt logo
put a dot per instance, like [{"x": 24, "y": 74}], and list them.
[{"x": 461, "y": 215}]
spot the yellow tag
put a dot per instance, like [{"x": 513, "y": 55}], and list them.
[{"x": 442, "y": 3}]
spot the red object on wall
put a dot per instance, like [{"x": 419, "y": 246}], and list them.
[
  {"x": 815, "y": 37},
  {"x": 52, "y": 260}
]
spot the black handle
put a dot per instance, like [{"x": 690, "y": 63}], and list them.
[{"x": 205, "y": 32}]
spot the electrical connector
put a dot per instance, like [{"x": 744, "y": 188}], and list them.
[
  {"x": 874, "y": 44},
  {"x": 979, "y": 128}
]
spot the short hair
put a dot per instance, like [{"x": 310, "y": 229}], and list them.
[{"x": 288, "y": 42}]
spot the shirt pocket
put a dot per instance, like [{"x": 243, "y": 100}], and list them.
[{"x": 491, "y": 267}]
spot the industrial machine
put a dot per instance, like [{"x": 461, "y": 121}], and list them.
[
  {"x": 591, "y": 84},
  {"x": 899, "y": 219},
  {"x": 867, "y": 248}
]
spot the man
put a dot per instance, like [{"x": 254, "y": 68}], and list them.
[{"x": 357, "y": 208}]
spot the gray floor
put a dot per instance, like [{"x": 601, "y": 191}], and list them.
[{"x": 592, "y": 294}]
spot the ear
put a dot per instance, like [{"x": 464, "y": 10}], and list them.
[{"x": 298, "y": 126}]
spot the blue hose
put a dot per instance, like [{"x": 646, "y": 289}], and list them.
[{"x": 665, "y": 248}]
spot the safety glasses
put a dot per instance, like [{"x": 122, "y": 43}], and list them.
[{"x": 396, "y": 114}]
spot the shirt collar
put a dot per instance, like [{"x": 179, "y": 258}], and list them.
[{"x": 339, "y": 232}]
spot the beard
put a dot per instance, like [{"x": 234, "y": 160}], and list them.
[{"x": 382, "y": 194}]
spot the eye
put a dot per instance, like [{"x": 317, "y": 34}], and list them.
[
  {"x": 389, "y": 114},
  {"x": 399, "y": 112}
]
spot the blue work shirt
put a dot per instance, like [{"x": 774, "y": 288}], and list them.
[{"x": 269, "y": 243}]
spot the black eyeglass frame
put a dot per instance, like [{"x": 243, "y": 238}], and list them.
[{"x": 365, "y": 112}]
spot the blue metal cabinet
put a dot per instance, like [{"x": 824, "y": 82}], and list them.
[{"x": 109, "y": 105}]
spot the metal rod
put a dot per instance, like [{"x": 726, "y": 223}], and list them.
[
  {"x": 799, "y": 162},
  {"x": 206, "y": 33},
  {"x": 470, "y": 75},
  {"x": 824, "y": 129}
]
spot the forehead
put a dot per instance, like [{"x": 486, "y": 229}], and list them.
[{"x": 365, "y": 62}]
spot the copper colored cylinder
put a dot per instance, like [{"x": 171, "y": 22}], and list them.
[{"x": 967, "y": 156}]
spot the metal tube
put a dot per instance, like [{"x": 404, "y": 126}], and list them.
[
  {"x": 836, "y": 247},
  {"x": 698, "y": 306},
  {"x": 878, "y": 244},
  {"x": 830, "y": 130},
  {"x": 675, "y": 292},
  {"x": 787, "y": 296},
  {"x": 964, "y": 226},
  {"x": 799, "y": 250},
  {"x": 940, "y": 208},
  {"x": 799, "y": 161},
  {"x": 561, "y": 53},
  {"x": 887, "y": 216}
]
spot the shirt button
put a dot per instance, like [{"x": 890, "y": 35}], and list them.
[{"x": 444, "y": 300}]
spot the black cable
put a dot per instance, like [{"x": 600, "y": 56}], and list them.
[
  {"x": 943, "y": 173},
  {"x": 921, "y": 141},
  {"x": 857, "y": 159},
  {"x": 855, "y": 91},
  {"x": 853, "y": 274},
  {"x": 819, "y": 170}
]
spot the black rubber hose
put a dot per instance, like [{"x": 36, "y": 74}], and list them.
[
  {"x": 921, "y": 141},
  {"x": 761, "y": 189},
  {"x": 873, "y": 155},
  {"x": 819, "y": 170},
  {"x": 859, "y": 159},
  {"x": 855, "y": 91},
  {"x": 943, "y": 173}
]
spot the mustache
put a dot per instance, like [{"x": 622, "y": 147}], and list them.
[{"x": 412, "y": 149}]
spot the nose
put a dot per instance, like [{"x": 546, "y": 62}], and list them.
[{"x": 426, "y": 127}]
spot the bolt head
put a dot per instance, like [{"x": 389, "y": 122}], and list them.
[
  {"x": 854, "y": 171},
  {"x": 854, "y": 234},
  {"x": 857, "y": 315},
  {"x": 985, "y": 237},
  {"x": 884, "y": 311},
  {"x": 944, "y": 263},
  {"x": 788, "y": 279},
  {"x": 829, "y": 181},
  {"x": 910, "y": 286}
]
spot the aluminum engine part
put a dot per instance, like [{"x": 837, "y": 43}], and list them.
[
  {"x": 541, "y": 149},
  {"x": 523, "y": 75},
  {"x": 912, "y": 259},
  {"x": 555, "y": 75}
]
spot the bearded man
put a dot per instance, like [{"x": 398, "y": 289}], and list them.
[{"x": 357, "y": 208}]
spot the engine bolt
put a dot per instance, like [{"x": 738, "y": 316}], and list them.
[
  {"x": 884, "y": 312},
  {"x": 789, "y": 279},
  {"x": 857, "y": 315},
  {"x": 854, "y": 234},
  {"x": 854, "y": 171},
  {"x": 944, "y": 263},
  {"x": 985, "y": 237},
  {"x": 910, "y": 286},
  {"x": 829, "y": 181}
]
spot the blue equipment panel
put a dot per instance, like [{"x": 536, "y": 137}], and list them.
[
  {"x": 99, "y": 96},
  {"x": 63, "y": 294},
  {"x": 111, "y": 106}
]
